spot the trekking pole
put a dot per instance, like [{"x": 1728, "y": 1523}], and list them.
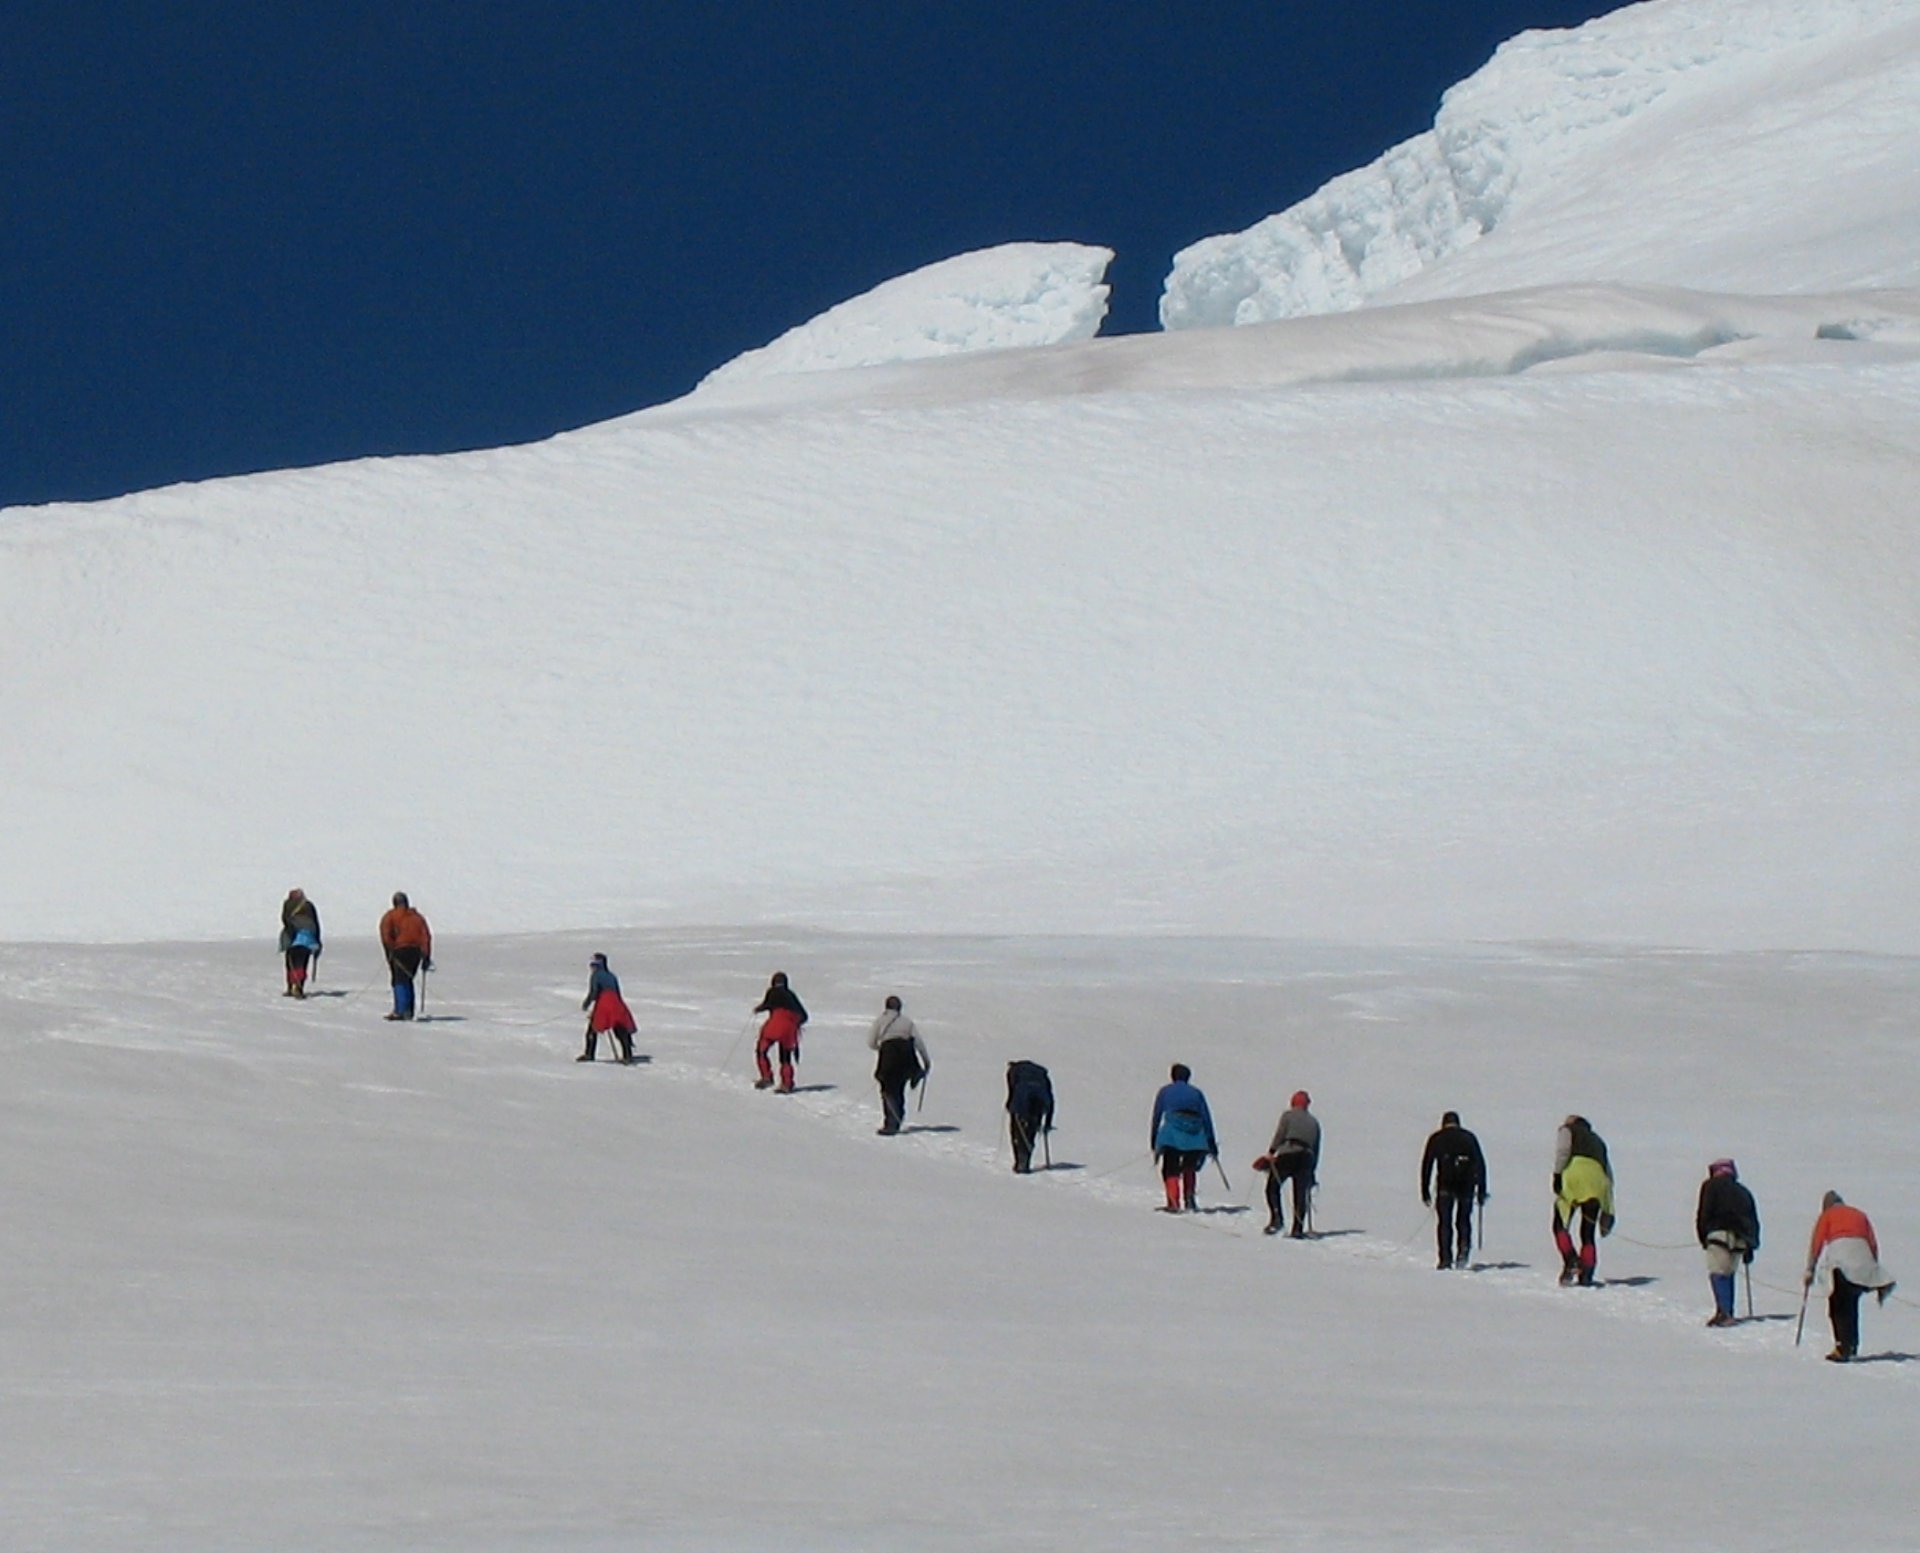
[
  {"x": 424, "y": 967},
  {"x": 1482, "y": 1206},
  {"x": 727, "y": 1061},
  {"x": 1046, "y": 1145},
  {"x": 1747, "y": 1268},
  {"x": 921, "y": 1104},
  {"x": 1800, "y": 1326},
  {"x": 1225, "y": 1185}
]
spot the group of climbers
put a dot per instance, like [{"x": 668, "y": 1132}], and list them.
[
  {"x": 405, "y": 940},
  {"x": 1453, "y": 1167},
  {"x": 1453, "y": 1182}
]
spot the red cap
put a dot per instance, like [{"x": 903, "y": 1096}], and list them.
[{"x": 1300, "y": 1099}]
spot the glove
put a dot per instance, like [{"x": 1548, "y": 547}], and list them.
[
  {"x": 1425, "y": 1200},
  {"x": 1807, "y": 1282},
  {"x": 1483, "y": 1199},
  {"x": 1746, "y": 1256},
  {"x": 426, "y": 964},
  {"x": 1556, "y": 1183},
  {"x": 1606, "y": 1225}
]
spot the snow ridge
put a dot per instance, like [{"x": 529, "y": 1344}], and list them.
[
  {"x": 1018, "y": 294},
  {"x": 1548, "y": 107}
]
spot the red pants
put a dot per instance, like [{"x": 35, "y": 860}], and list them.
[{"x": 789, "y": 1048}]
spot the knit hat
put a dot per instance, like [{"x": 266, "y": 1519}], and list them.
[
  {"x": 1449, "y": 1118},
  {"x": 1301, "y": 1099},
  {"x": 1722, "y": 1167},
  {"x": 599, "y": 959}
]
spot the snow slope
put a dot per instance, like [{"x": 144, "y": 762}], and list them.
[
  {"x": 1117, "y": 702},
  {"x": 283, "y": 1276},
  {"x": 1763, "y": 145},
  {"x": 1581, "y": 610},
  {"x": 1017, "y": 294},
  {"x": 1366, "y": 627}
]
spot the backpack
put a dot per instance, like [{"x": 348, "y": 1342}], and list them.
[
  {"x": 1029, "y": 1089},
  {"x": 1456, "y": 1172}
]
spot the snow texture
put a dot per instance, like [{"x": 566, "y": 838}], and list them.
[
  {"x": 1580, "y": 613},
  {"x": 282, "y": 1276},
  {"x": 1018, "y": 294},
  {"x": 1668, "y": 142},
  {"x": 1497, "y": 699}
]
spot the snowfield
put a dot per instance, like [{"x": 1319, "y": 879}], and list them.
[
  {"x": 1504, "y": 695},
  {"x": 282, "y": 1275}
]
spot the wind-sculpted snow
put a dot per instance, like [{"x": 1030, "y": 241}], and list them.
[
  {"x": 1562, "y": 328},
  {"x": 1667, "y": 142},
  {"x": 1019, "y": 294},
  {"x": 1584, "y": 613}
]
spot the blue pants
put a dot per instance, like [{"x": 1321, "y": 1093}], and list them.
[{"x": 403, "y": 963}]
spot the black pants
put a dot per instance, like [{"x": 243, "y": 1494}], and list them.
[
  {"x": 622, "y": 1041},
  {"x": 893, "y": 1102},
  {"x": 1181, "y": 1162},
  {"x": 897, "y": 1067},
  {"x": 1843, "y": 1310},
  {"x": 1453, "y": 1212},
  {"x": 1296, "y": 1167},
  {"x": 1587, "y": 1257},
  {"x": 1025, "y": 1129}
]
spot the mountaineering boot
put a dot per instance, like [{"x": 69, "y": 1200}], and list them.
[
  {"x": 584, "y": 1057},
  {"x": 1187, "y": 1185},
  {"x": 1172, "y": 1184},
  {"x": 1569, "y": 1270},
  {"x": 763, "y": 1083},
  {"x": 1840, "y": 1356}
]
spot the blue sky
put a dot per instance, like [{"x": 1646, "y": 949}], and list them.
[{"x": 247, "y": 236}]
